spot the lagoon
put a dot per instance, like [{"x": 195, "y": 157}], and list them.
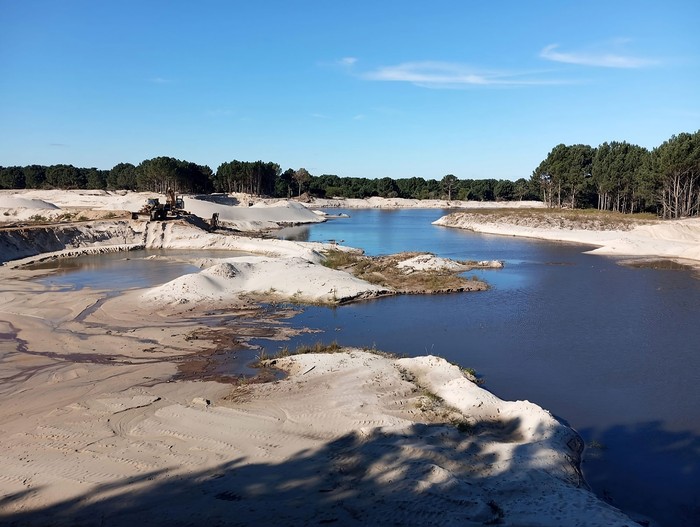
[{"x": 610, "y": 349}]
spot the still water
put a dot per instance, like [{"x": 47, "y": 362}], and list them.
[
  {"x": 610, "y": 349},
  {"x": 124, "y": 270}
]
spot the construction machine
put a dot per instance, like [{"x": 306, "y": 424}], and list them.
[
  {"x": 157, "y": 211},
  {"x": 153, "y": 208}
]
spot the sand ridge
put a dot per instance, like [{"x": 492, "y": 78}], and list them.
[{"x": 352, "y": 437}]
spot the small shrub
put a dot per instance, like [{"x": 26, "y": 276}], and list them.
[
  {"x": 319, "y": 347},
  {"x": 336, "y": 259},
  {"x": 462, "y": 425}
]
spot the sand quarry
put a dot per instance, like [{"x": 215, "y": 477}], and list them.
[{"x": 98, "y": 428}]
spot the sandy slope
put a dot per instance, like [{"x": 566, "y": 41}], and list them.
[
  {"x": 93, "y": 431},
  {"x": 668, "y": 239},
  {"x": 403, "y": 203},
  {"x": 279, "y": 278},
  {"x": 349, "y": 438},
  {"x": 234, "y": 212}
]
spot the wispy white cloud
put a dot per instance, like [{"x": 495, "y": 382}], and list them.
[
  {"x": 347, "y": 61},
  {"x": 602, "y": 59},
  {"x": 431, "y": 74},
  {"x": 359, "y": 117},
  {"x": 160, "y": 80}
]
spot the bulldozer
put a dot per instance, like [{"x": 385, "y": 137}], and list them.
[
  {"x": 153, "y": 208},
  {"x": 157, "y": 211}
]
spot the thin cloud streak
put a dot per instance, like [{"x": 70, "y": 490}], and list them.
[
  {"x": 602, "y": 60},
  {"x": 429, "y": 74}
]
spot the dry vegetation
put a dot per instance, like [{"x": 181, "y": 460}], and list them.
[
  {"x": 384, "y": 271},
  {"x": 585, "y": 219}
]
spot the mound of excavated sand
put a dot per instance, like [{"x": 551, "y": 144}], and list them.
[
  {"x": 233, "y": 213},
  {"x": 294, "y": 279},
  {"x": 18, "y": 202}
]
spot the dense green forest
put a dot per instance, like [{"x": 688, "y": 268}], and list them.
[
  {"x": 615, "y": 176},
  {"x": 624, "y": 177},
  {"x": 258, "y": 177}
]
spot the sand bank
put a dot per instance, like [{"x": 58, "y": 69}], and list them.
[
  {"x": 352, "y": 438},
  {"x": 402, "y": 203},
  {"x": 674, "y": 239},
  {"x": 95, "y": 431}
]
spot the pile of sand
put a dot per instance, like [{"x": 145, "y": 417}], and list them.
[
  {"x": 23, "y": 205},
  {"x": 294, "y": 279}
]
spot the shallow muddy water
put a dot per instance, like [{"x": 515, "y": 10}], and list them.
[
  {"x": 611, "y": 349},
  {"x": 124, "y": 270}
]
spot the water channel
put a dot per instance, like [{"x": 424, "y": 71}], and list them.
[{"x": 611, "y": 349}]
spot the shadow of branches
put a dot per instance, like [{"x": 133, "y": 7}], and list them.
[{"x": 402, "y": 478}]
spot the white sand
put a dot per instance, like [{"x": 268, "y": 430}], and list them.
[
  {"x": 294, "y": 279},
  {"x": 677, "y": 239},
  {"x": 403, "y": 203},
  {"x": 352, "y": 438},
  {"x": 234, "y": 212},
  {"x": 93, "y": 433}
]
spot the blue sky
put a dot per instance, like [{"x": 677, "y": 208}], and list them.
[{"x": 363, "y": 88}]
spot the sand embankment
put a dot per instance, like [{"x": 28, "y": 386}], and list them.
[
  {"x": 377, "y": 202},
  {"x": 235, "y": 212},
  {"x": 674, "y": 239},
  {"x": 95, "y": 431},
  {"x": 349, "y": 438}
]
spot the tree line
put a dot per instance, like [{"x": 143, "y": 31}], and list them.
[
  {"x": 623, "y": 177},
  {"x": 615, "y": 176},
  {"x": 258, "y": 177}
]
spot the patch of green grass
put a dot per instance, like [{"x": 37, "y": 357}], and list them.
[
  {"x": 319, "y": 347},
  {"x": 337, "y": 259},
  {"x": 263, "y": 358}
]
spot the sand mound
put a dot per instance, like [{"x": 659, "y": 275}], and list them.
[
  {"x": 430, "y": 262},
  {"x": 293, "y": 279},
  {"x": 351, "y": 438},
  {"x": 16, "y": 202}
]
